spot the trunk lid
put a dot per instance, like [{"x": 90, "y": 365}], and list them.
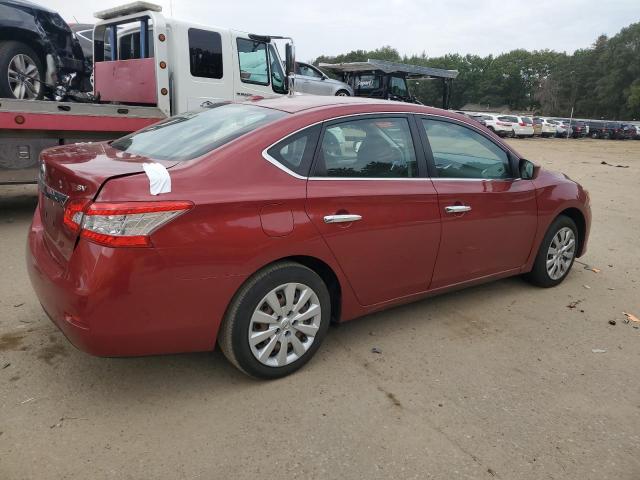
[{"x": 73, "y": 173}]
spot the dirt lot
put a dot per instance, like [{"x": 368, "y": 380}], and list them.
[{"x": 498, "y": 381}]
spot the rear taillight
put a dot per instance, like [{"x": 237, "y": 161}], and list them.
[
  {"x": 127, "y": 224},
  {"x": 522, "y": 124},
  {"x": 73, "y": 213}
]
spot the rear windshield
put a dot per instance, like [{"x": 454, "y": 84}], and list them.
[
  {"x": 508, "y": 119},
  {"x": 191, "y": 135},
  {"x": 526, "y": 120}
]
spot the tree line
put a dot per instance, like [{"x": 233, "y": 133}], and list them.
[{"x": 601, "y": 81}]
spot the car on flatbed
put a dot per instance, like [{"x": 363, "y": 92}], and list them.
[
  {"x": 254, "y": 225},
  {"x": 37, "y": 47}
]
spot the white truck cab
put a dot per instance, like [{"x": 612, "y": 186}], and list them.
[{"x": 181, "y": 66}]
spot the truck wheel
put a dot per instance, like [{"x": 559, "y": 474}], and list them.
[
  {"x": 21, "y": 72},
  {"x": 342, "y": 93}
]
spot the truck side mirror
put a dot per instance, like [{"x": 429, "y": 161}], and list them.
[{"x": 290, "y": 66}]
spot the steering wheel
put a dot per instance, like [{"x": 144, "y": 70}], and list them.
[{"x": 494, "y": 171}]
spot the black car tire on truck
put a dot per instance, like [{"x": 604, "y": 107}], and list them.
[{"x": 12, "y": 52}]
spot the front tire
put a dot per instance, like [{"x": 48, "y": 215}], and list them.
[
  {"x": 21, "y": 72},
  {"x": 556, "y": 254},
  {"x": 342, "y": 93},
  {"x": 277, "y": 321}
]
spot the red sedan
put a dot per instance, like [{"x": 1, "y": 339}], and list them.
[{"x": 256, "y": 224}]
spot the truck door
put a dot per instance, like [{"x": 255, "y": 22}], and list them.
[
  {"x": 258, "y": 69},
  {"x": 206, "y": 74}
]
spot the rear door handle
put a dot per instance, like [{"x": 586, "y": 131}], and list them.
[
  {"x": 342, "y": 218},
  {"x": 457, "y": 208}
]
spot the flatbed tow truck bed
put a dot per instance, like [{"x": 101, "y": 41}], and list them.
[{"x": 27, "y": 127}]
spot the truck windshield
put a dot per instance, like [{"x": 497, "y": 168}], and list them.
[{"x": 191, "y": 135}]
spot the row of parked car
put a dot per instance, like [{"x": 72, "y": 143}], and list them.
[{"x": 517, "y": 126}]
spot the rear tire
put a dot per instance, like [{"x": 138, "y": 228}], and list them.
[
  {"x": 21, "y": 72},
  {"x": 556, "y": 254},
  {"x": 250, "y": 316}
]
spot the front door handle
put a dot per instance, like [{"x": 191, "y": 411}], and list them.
[
  {"x": 457, "y": 208},
  {"x": 342, "y": 218}
]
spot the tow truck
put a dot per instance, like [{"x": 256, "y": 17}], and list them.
[{"x": 146, "y": 67}]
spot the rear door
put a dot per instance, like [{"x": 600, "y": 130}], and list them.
[
  {"x": 206, "y": 74},
  {"x": 489, "y": 216},
  {"x": 370, "y": 200}
]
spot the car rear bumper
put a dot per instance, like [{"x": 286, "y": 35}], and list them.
[{"x": 126, "y": 301}]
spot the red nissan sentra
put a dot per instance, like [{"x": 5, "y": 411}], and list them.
[{"x": 281, "y": 216}]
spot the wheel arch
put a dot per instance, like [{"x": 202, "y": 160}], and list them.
[
  {"x": 581, "y": 223},
  {"x": 29, "y": 38},
  {"x": 327, "y": 275}
]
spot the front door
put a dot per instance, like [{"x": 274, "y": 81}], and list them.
[
  {"x": 489, "y": 217},
  {"x": 376, "y": 213}
]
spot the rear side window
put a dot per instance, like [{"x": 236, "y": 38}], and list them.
[
  {"x": 459, "y": 152},
  {"x": 205, "y": 53},
  {"x": 367, "y": 83},
  {"x": 254, "y": 63},
  {"x": 295, "y": 152},
  {"x": 371, "y": 148},
  {"x": 191, "y": 135}
]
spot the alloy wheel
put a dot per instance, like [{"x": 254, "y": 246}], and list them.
[
  {"x": 560, "y": 253},
  {"x": 24, "y": 77},
  {"x": 284, "y": 324}
]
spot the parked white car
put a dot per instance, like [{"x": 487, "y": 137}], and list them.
[
  {"x": 498, "y": 124},
  {"x": 562, "y": 127},
  {"x": 310, "y": 79},
  {"x": 523, "y": 127},
  {"x": 548, "y": 128}
]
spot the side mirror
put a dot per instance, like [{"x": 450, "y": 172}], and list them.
[
  {"x": 528, "y": 170},
  {"x": 290, "y": 66}
]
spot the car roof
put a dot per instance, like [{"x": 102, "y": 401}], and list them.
[{"x": 300, "y": 102}]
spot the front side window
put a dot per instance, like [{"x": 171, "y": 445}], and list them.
[
  {"x": 205, "y": 53},
  {"x": 254, "y": 62},
  {"x": 191, "y": 135},
  {"x": 371, "y": 148},
  {"x": 459, "y": 152},
  {"x": 398, "y": 87}
]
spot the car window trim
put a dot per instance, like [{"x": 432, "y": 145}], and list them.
[
  {"x": 512, "y": 154},
  {"x": 417, "y": 147},
  {"x": 512, "y": 158}
]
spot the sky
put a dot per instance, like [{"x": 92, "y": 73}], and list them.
[{"x": 332, "y": 27}]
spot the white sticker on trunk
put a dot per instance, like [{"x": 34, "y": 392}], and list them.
[{"x": 159, "y": 179}]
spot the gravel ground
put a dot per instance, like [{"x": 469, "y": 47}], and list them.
[{"x": 497, "y": 381}]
